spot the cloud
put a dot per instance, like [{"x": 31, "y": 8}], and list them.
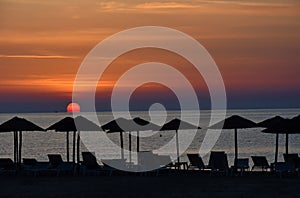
[
  {"x": 38, "y": 56},
  {"x": 203, "y": 6},
  {"x": 165, "y": 5}
]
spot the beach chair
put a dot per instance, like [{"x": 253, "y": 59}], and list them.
[
  {"x": 148, "y": 161},
  {"x": 165, "y": 161},
  {"x": 166, "y": 164},
  {"x": 31, "y": 166},
  {"x": 28, "y": 164},
  {"x": 218, "y": 162},
  {"x": 61, "y": 167},
  {"x": 283, "y": 168},
  {"x": 260, "y": 162},
  {"x": 195, "y": 161},
  {"x": 241, "y": 165},
  {"x": 90, "y": 165},
  {"x": 7, "y": 166},
  {"x": 115, "y": 165},
  {"x": 293, "y": 160}
]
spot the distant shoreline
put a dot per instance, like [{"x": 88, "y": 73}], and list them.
[{"x": 229, "y": 109}]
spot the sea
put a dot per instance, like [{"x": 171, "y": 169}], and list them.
[{"x": 250, "y": 141}]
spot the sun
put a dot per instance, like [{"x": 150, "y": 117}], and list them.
[{"x": 73, "y": 107}]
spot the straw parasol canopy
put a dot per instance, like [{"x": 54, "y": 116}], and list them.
[
  {"x": 113, "y": 126},
  {"x": 234, "y": 122},
  {"x": 69, "y": 124},
  {"x": 290, "y": 126},
  {"x": 137, "y": 124},
  {"x": 177, "y": 124},
  {"x": 143, "y": 125},
  {"x": 276, "y": 122},
  {"x": 16, "y": 125}
]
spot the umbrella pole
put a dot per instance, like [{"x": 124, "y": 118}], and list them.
[
  {"x": 235, "y": 145},
  {"x": 20, "y": 147},
  {"x": 276, "y": 149},
  {"x": 78, "y": 147},
  {"x": 67, "y": 144},
  {"x": 15, "y": 147},
  {"x": 122, "y": 145},
  {"x": 287, "y": 144},
  {"x": 74, "y": 140},
  {"x": 137, "y": 141},
  {"x": 177, "y": 146},
  {"x": 129, "y": 146}
]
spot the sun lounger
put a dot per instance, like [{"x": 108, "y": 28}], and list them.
[
  {"x": 150, "y": 162},
  {"x": 218, "y": 162},
  {"x": 241, "y": 165},
  {"x": 260, "y": 162},
  {"x": 61, "y": 167},
  {"x": 7, "y": 166},
  {"x": 90, "y": 165},
  {"x": 31, "y": 166},
  {"x": 165, "y": 161},
  {"x": 283, "y": 168},
  {"x": 293, "y": 159},
  {"x": 195, "y": 161}
]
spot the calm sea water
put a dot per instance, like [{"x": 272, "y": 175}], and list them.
[{"x": 251, "y": 141}]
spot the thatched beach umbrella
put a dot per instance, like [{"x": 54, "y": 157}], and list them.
[
  {"x": 136, "y": 124},
  {"x": 234, "y": 122},
  {"x": 143, "y": 125},
  {"x": 16, "y": 125},
  {"x": 113, "y": 127},
  {"x": 70, "y": 124},
  {"x": 277, "y": 123},
  {"x": 290, "y": 126},
  {"x": 176, "y": 125}
]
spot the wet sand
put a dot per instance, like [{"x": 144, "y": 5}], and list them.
[{"x": 150, "y": 186}]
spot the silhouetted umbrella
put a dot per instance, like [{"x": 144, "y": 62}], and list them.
[
  {"x": 143, "y": 125},
  {"x": 18, "y": 124},
  {"x": 276, "y": 122},
  {"x": 234, "y": 122},
  {"x": 70, "y": 124},
  {"x": 176, "y": 125},
  {"x": 136, "y": 124},
  {"x": 290, "y": 126},
  {"x": 113, "y": 126}
]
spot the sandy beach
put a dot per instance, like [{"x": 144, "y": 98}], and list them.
[{"x": 254, "y": 185}]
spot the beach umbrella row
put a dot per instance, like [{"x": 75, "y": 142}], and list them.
[
  {"x": 284, "y": 126},
  {"x": 70, "y": 124},
  {"x": 277, "y": 125},
  {"x": 234, "y": 122},
  {"x": 17, "y": 126}
]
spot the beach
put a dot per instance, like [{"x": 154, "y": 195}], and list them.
[{"x": 255, "y": 185}]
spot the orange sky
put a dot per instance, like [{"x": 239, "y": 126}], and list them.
[{"x": 256, "y": 44}]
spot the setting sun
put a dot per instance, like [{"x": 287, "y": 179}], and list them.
[{"x": 73, "y": 107}]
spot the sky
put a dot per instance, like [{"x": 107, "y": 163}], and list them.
[{"x": 256, "y": 45}]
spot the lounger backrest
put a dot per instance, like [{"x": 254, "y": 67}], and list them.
[
  {"x": 164, "y": 160},
  {"x": 196, "y": 160},
  {"x": 260, "y": 161},
  {"x": 55, "y": 160},
  {"x": 115, "y": 163},
  {"x": 89, "y": 159},
  {"x": 148, "y": 160},
  {"x": 291, "y": 158},
  {"x": 218, "y": 160},
  {"x": 241, "y": 163},
  {"x": 29, "y": 161},
  {"x": 6, "y": 163}
]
